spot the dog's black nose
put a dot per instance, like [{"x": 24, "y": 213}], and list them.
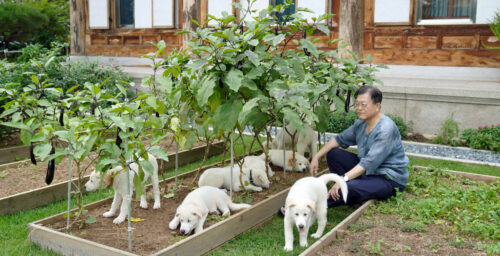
[{"x": 301, "y": 226}]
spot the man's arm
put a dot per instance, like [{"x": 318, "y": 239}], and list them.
[{"x": 313, "y": 167}]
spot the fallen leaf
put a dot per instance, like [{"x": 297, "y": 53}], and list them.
[
  {"x": 3, "y": 174},
  {"x": 169, "y": 195},
  {"x": 90, "y": 220},
  {"x": 136, "y": 219}
]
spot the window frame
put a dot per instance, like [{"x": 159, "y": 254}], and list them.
[
  {"x": 117, "y": 16},
  {"x": 448, "y": 20}
]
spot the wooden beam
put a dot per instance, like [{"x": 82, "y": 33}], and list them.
[
  {"x": 351, "y": 27},
  {"x": 77, "y": 11},
  {"x": 190, "y": 11}
]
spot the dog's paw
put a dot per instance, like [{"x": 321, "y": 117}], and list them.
[
  {"x": 258, "y": 189},
  {"x": 303, "y": 244},
  {"x": 156, "y": 205},
  {"x": 316, "y": 235},
  {"x": 108, "y": 214},
  {"x": 226, "y": 214},
  {"x": 144, "y": 205},
  {"x": 118, "y": 220},
  {"x": 288, "y": 247},
  {"x": 172, "y": 225}
]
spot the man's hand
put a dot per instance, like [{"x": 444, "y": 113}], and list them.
[
  {"x": 334, "y": 192},
  {"x": 313, "y": 167}
]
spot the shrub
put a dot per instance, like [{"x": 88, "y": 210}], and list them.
[
  {"x": 448, "y": 133},
  {"x": 57, "y": 28},
  {"x": 20, "y": 23},
  {"x": 340, "y": 120},
  {"x": 402, "y": 126},
  {"x": 483, "y": 137}
]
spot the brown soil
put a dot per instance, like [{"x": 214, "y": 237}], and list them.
[
  {"x": 28, "y": 176},
  {"x": 153, "y": 234},
  {"x": 417, "y": 137},
  {"x": 383, "y": 235}
]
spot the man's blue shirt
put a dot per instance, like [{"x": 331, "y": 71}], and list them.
[{"x": 381, "y": 151}]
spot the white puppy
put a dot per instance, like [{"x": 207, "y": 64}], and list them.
[
  {"x": 303, "y": 141},
  {"x": 253, "y": 179},
  {"x": 255, "y": 163},
  {"x": 117, "y": 178},
  {"x": 306, "y": 201},
  {"x": 300, "y": 164},
  {"x": 194, "y": 209}
]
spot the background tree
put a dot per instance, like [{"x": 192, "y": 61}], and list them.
[{"x": 20, "y": 23}]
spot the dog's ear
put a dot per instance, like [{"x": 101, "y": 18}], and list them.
[
  {"x": 260, "y": 178},
  {"x": 289, "y": 205},
  {"x": 312, "y": 206},
  {"x": 198, "y": 212},
  {"x": 291, "y": 161}
]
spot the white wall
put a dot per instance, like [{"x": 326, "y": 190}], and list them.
[
  {"x": 392, "y": 11},
  {"x": 486, "y": 10},
  {"x": 98, "y": 14},
  {"x": 143, "y": 14}
]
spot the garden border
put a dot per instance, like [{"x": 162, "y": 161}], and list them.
[
  {"x": 201, "y": 243},
  {"x": 59, "y": 191},
  {"x": 338, "y": 231},
  {"x": 9, "y": 154}
]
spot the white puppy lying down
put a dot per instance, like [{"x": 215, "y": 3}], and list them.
[
  {"x": 256, "y": 162},
  {"x": 303, "y": 141},
  {"x": 306, "y": 201},
  {"x": 253, "y": 179},
  {"x": 193, "y": 211},
  {"x": 117, "y": 178},
  {"x": 276, "y": 157}
]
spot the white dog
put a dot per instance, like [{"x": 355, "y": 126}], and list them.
[
  {"x": 303, "y": 141},
  {"x": 256, "y": 162},
  {"x": 193, "y": 211},
  {"x": 306, "y": 201},
  {"x": 253, "y": 179},
  {"x": 117, "y": 178},
  {"x": 300, "y": 164}
]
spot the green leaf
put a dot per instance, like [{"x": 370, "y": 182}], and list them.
[
  {"x": 252, "y": 57},
  {"x": 139, "y": 190},
  {"x": 233, "y": 79},
  {"x": 151, "y": 101},
  {"x": 147, "y": 166},
  {"x": 253, "y": 42},
  {"x": 42, "y": 150},
  {"x": 90, "y": 220},
  {"x": 324, "y": 29},
  {"x": 226, "y": 116},
  {"x": 206, "y": 90},
  {"x": 246, "y": 110},
  {"x": 19, "y": 125},
  {"x": 25, "y": 137},
  {"x": 159, "y": 153},
  {"x": 309, "y": 46}
]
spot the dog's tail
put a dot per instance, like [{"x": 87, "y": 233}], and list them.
[
  {"x": 326, "y": 178},
  {"x": 236, "y": 207}
]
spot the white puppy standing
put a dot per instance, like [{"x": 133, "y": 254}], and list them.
[
  {"x": 276, "y": 157},
  {"x": 194, "y": 209},
  {"x": 303, "y": 141},
  {"x": 117, "y": 179},
  {"x": 306, "y": 202}
]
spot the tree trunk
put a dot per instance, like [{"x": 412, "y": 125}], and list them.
[
  {"x": 77, "y": 27},
  {"x": 190, "y": 11},
  {"x": 351, "y": 26}
]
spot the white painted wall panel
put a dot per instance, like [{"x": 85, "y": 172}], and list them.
[
  {"x": 317, "y": 6},
  {"x": 486, "y": 10},
  {"x": 392, "y": 11},
  {"x": 163, "y": 13},
  {"x": 143, "y": 14},
  {"x": 98, "y": 14}
]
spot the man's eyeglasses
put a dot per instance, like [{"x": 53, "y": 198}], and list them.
[{"x": 361, "y": 105}]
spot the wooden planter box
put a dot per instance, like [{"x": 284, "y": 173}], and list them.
[
  {"x": 197, "y": 244},
  {"x": 59, "y": 191},
  {"x": 12, "y": 154}
]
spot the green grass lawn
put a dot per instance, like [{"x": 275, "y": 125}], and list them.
[{"x": 14, "y": 233}]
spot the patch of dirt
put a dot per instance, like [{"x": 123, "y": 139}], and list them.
[
  {"x": 384, "y": 235},
  {"x": 417, "y": 137},
  {"x": 28, "y": 176},
  {"x": 153, "y": 234}
]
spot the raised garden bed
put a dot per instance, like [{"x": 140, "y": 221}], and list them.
[
  {"x": 152, "y": 236},
  {"x": 15, "y": 153},
  {"x": 23, "y": 186}
]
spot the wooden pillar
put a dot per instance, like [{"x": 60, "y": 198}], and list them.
[
  {"x": 190, "y": 11},
  {"x": 77, "y": 27},
  {"x": 351, "y": 26}
]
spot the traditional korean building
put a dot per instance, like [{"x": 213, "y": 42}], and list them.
[{"x": 435, "y": 49}]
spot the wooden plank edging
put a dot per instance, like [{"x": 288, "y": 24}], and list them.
[
  {"x": 59, "y": 191},
  {"x": 10, "y": 154},
  {"x": 332, "y": 234},
  {"x": 472, "y": 176}
]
